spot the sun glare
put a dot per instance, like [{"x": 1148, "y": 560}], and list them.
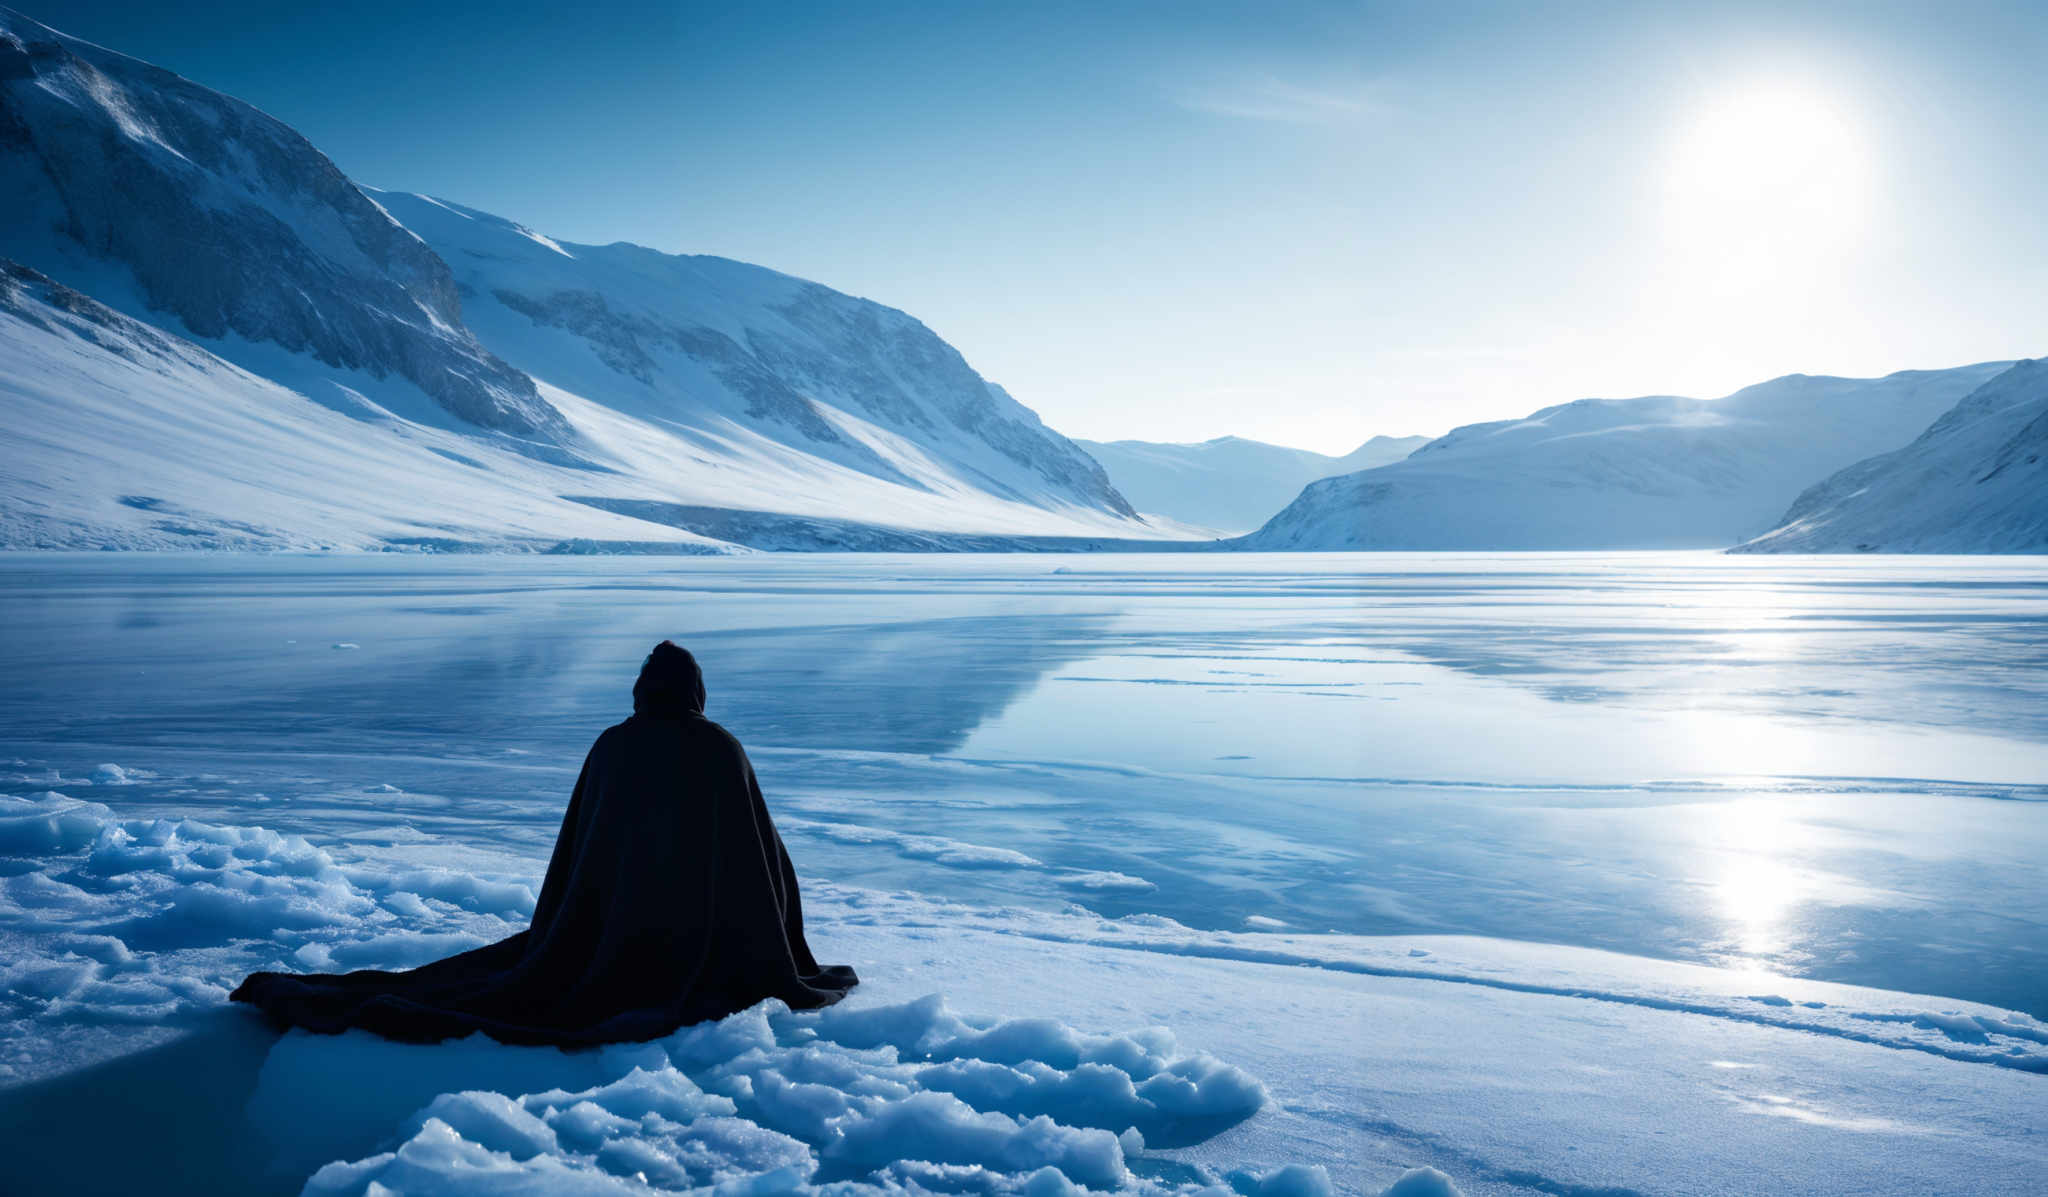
[{"x": 1766, "y": 173}]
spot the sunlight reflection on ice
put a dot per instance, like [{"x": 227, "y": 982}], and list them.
[{"x": 1758, "y": 885}]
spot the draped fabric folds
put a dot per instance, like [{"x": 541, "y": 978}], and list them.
[{"x": 669, "y": 900}]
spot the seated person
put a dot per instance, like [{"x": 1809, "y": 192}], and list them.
[{"x": 669, "y": 900}]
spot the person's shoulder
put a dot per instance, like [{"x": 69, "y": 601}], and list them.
[
  {"x": 716, "y": 733},
  {"x": 691, "y": 728},
  {"x": 710, "y": 740}
]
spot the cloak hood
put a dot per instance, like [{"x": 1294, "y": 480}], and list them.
[{"x": 670, "y": 683}]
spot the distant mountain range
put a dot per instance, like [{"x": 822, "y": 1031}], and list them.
[
  {"x": 1974, "y": 482},
  {"x": 211, "y": 338},
  {"x": 1229, "y": 484},
  {"x": 1656, "y": 472}
]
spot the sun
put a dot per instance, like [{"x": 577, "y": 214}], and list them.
[{"x": 1766, "y": 175}]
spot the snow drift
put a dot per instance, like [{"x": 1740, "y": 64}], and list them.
[
  {"x": 1655, "y": 472},
  {"x": 1974, "y": 482}
]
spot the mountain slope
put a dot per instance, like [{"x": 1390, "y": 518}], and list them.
[
  {"x": 198, "y": 207},
  {"x": 719, "y": 350},
  {"x": 120, "y": 435},
  {"x": 1975, "y": 482},
  {"x": 202, "y": 308},
  {"x": 1229, "y": 483},
  {"x": 1655, "y": 472}
]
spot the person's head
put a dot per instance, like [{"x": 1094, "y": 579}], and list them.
[{"x": 669, "y": 683}]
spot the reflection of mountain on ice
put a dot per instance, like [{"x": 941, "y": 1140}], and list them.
[
  {"x": 365, "y": 406},
  {"x": 528, "y": 671},
  {"x": 1655, "y": 472}
]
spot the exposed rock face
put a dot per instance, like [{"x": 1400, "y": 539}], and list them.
[
  {"x": 230, "y": 222},
  {"x": 42, "y": 302}
]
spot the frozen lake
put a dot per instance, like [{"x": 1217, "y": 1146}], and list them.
[{"x": 1833, "y": 768}]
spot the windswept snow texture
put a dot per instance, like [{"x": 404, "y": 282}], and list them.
[
  {"x": 1974, "y": 482},
  {"x": 740, "y": 359},
  {"x": 1653, "y": 473},
  {"x": 229, "y": 223},
  {"x": 1230, "y": 484}
]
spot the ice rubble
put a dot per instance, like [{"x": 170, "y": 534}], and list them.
[
  {"x": 769, "y": 1100},
  {"x": 143, "y": 920}
]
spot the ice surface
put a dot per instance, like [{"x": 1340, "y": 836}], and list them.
[{"x": 1467, "y": 942}]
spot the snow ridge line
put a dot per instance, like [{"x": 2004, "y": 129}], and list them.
[{"x": 2022, "y": 1062}]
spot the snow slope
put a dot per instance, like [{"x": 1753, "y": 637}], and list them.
[
  {"x": 211, "y": 338},
  {"x": 1230, "y": 483},
  {"x": 720, "y": 349},
  {"x": 120, "y": 435},
  {"x": 1654, "y": 472},
  {"x": 1975, "y": 482}
]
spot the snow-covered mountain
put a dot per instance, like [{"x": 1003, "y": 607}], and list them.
[
  {"x": 116, "y": 434},
  {"x": 1230, "y": 483},
  {"x": 211, "y": 213},
  {"x": 206, "y": 316},
  {"x": 742, "y": 356},
  {"x": 1654, "y": 472},
  {"x": 1975, "y": 482}
]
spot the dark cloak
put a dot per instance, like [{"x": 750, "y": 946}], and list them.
[{"x": 669, "y": 900}]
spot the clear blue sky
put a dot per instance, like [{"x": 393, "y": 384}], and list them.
[{"x": 1303, "y": 223}]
